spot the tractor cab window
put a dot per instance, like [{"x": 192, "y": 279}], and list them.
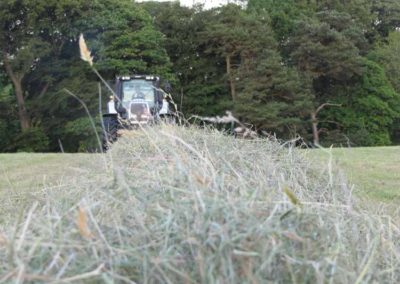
[{"x": 138, "y": 89}]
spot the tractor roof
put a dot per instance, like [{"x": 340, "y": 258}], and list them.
[{"x": 143, "y": 77}]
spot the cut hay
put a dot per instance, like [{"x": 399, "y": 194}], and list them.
[{"x": 184, "y": 205}]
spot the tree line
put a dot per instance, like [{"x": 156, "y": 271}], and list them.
[{"x": 326, "y": 70}]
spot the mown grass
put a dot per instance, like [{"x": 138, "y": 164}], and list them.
[
  {"x": 30, "y": 171},
  {"x": 183, "y": 205},
  {"x": 375, "y": 171}
]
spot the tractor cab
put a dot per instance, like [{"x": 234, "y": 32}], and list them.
[{"x": 138, "y": 100}]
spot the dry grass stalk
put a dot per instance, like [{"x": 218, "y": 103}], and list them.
[
  {"x": 82, "y": 223},
  {"x": 291, "y": 196},
  {"x": 85, "y": 52}
]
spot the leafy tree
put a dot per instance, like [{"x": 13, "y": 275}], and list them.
[
  {"x": 124, "y": 40},
  {"x": 8, "y": 113},
  {"x": 226, "y": 55},
  {"x": 387, "y": 55},
  {"x": 200, "y": 72},
  {"x": 274, "y": 64},
  {"x": 180, "y": 26},
  {"x": 369, "y": 108},
  {"x": 273, "y": 97},
  {"x": 388, "y": 16},
  {"x": 30, "y": 140},
  {"x": 325, "y": 54},
  {"x": 20, "y": 49},
  {"x": 229, "y": 35},
  {"x": 30, "y": 32},
  {"x": 40, "y": 54},
  {"x": 283, "y": 15}
]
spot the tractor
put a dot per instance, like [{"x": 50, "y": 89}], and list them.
[{"x": 138, "y": 100}]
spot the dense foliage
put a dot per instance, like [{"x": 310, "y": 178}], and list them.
[{"x": 326, "y": 70}]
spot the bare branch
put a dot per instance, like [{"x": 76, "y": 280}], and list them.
[{"x": 325, "y": 105}]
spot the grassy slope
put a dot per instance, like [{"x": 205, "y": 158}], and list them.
[{"x": 374, "y": 171}]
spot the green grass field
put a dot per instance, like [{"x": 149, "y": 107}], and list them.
[
  {"x": 24, "y": 171},
  {"x": 374, "y": 171}
]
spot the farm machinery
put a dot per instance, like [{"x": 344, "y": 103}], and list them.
[{"x": 138, "y": 100}]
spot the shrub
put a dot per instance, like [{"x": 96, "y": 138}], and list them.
[{"x": 30, "y": 140}]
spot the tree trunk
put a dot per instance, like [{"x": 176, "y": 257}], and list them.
[
  {"x": 314, "y": 121},
  {"x": 24, "y": 118},
  {"x": 231, "y": 80},
  {"x": 315, "y": 131},
  {"x": 23, "y": 115}
]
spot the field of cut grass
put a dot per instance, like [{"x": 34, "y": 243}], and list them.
[
  {"x": 188, "y": 205},
  {"x": 374, "y": 171},
  {"x": 31, "y": 171}
]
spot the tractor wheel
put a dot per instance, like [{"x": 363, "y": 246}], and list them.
[{"x": 110, "y": 131}]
